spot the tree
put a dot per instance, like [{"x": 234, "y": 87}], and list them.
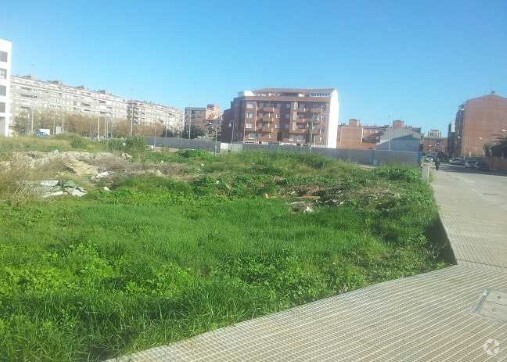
[
  {"x": 195, "y": 132},
  {"x": 499, "y": 149}
]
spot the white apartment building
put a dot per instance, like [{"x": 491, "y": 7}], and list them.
[
  {"x": 146, "y": 112},
  {"x": 5, "y": 88},
  {"x": 31, "y": 95}
]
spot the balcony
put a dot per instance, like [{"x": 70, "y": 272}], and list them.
[
  {"x": 316, "y": 110},
  {"x": 302, "y": 110},
  {"x": 269, "y": 119},
  {"x": 299, "y": 131},
  {"x": 265, "y": 129},
  {"x": 268, "y": 109}
]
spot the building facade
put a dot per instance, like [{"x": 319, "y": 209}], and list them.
[
  {"x": 395, "y": 137},
  {"x": 30, "y": 95},
  {"x": 401, "y": 138},
  {"x": 356, "y": 136},
  {"x": 434, "y": 143},
  {"x": 479, "y": 122},
  {"x": 140, "y": 112},
  {"x": 196, "y": 117},
  {"x": 5, "y": 88},
  {"x": 285, "y": 116}
]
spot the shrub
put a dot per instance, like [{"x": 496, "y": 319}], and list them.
[
  {"x": 135, "y": 144},
  {"x": 78, "y": 142}
]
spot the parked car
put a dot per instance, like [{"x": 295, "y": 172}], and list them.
[
  {"x": 482, "y": 165},
  {"x": 470, "y": 163},
  {"x": 457, "y": 161}
]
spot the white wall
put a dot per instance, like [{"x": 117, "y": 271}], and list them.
[
  {"x": 334, "y": 119},
  {"x": 5, "y": 130}
]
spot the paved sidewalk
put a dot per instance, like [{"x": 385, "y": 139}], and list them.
[{"x": 428, "y": 317}]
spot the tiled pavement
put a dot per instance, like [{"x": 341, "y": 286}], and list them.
[{"x": 428, "y": 317}]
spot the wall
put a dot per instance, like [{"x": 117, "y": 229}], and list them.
[
  {"x": 497, "y": 163},
  {"x": 363, "y": 157}
]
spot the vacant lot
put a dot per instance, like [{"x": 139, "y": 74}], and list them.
[{"x": 181, "y": 243}]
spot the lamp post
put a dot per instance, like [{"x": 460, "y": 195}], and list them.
[
  {"x": 31, "y": 119},
  {"x": 217, "y": 123},
  {"x": 189, "y": 122}
]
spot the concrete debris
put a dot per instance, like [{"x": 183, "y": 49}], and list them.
[
  {"x": 52, "y": 188},
  {"x": 126, "y": 156},
  {"x": 49, "y": 183},
  {"x": 101, "y": 175},
  {"x": 105, "y": 188},
  {"x": 301, "y": 206},
  {"x": 78, "y": 192},
  {"x": 53, "y": 194}
]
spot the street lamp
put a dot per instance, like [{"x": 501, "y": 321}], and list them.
[{"x": 218, "y": 122}]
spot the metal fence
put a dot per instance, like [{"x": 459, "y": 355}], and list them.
[{"x": 364, "y": 157}]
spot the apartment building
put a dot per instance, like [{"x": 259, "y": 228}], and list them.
[
  {"x": 140, "y": 112},
  {"x": 213, "y": 112},
  {"x": 395, "y": 137},
  {"x": 195, "y": 116},
  {"x": 479, "y": 121},
  {"x": 433, "y": 142},
  {"x": 5, "y": 87},
  {"x": 205, "y": 119},
  {"x": 283, "y": 115},
  {"x": 356, "y": 136},
  {"x": 30, "y": 95}
]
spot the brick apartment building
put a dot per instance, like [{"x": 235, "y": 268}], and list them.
[
  {"x": 397, "y": 137},
  {"x": 356, "y": 136},
  {"x": 202, "y": 117},
  {"x": 433, "y": 142},
  {"x": 283, "y": 115},
  {"x": 479, "y": 121}
]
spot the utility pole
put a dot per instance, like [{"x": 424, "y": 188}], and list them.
[
  {"x": 189, "y": 122},
  {"x": 31, "y": 117}
]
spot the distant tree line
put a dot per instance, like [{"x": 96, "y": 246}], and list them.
[{"x": 87, "y": 126}]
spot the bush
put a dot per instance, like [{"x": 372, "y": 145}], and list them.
[
  {"x": 135, "y": 144},
  {"x": 78, "y": 142}
]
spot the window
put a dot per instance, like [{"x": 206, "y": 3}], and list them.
[
  {"x": 287, "y": 106},
  {"x": 249, "y": 105},
  {"x": 3, "y": 73},
  {"x": 249, "y": 114},
  {"x": 3, "y": 56},
  {"x": 248, "y": 125},
  {"x": 287, "y": 116},
  {"x": 2, "y": 107},
  {"x": 3, "y": 90}
]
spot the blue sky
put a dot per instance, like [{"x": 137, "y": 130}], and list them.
[{"x": 413, "y": 60}]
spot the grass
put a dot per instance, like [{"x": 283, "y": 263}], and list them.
[{"x": 157, "y": 259}]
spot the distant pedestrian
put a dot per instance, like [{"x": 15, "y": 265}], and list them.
[{"x": 437, "y": 163}]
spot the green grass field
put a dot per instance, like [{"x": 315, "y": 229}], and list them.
[{"x": 159, "y": 259}]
